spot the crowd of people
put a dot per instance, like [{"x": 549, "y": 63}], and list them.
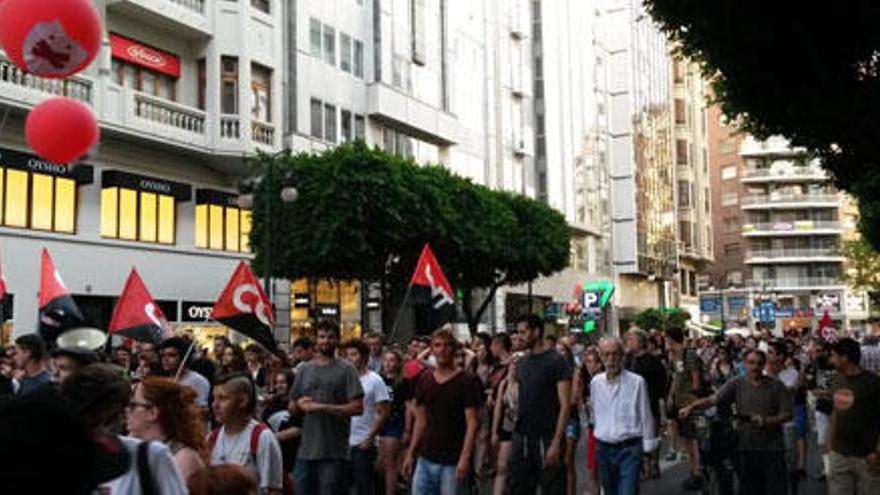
[{"x": 502, "y": 414}]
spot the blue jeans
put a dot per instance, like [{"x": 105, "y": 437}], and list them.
[
  {"x": 321, "y": 477},
  {"x": 434, "y": 479},
  {"x": 361, "y": 474},
  {"x": 527, "y": 469},
  {"x": 619, "y": 467}
]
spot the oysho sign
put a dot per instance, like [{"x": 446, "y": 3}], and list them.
[
  {"x": 36, "y": 165},
  {"x": 155, "y": 186},
  {"x": 196, "y": 311},
  {"x": 145, "y": 56}
]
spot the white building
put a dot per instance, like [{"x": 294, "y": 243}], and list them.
[{"x": 183, "y": 90}]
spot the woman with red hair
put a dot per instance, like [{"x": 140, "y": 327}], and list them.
[{"x": 165, "y": 411}]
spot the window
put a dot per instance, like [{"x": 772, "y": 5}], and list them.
[
  {"x": 229, "y": 85},
  {"x": 345, "y": 52},
  {"x": 261, "y": 85},
  {"x": 329, "y": 45},
  {"x": 317, "y": 119},
  {"x": 201, "y": 83},
  {"x": 730, "y": 199},
  {"x": 727, "y": 145},
  {"x": 732, "y": 251},
  {"x": 144, "y": 80},
  {"x": 684, "y": 194},
  {"x": 315, "y": 37},
  {"x": 360, "y": 127},
  {"x": 728, "y": 172},
  {"x": 681, "y": 152},
  {"x": 345, "y": 125},
  {"x": 37, "y": 201},
  {"x": 678, "y": 71},
  {"x": 358, "y": 59},
  {"x": 680, "y": 112},
  {"x": 417, "y": 24},
  {"x": 138, "y": 215},
  {"x": 221, "y": 227},
  {"x": 261, "y": 5},
  {"x": 731, "y": 225},
  {"x": 397, "y": 143},
  {"x": 329, "y": 123}
]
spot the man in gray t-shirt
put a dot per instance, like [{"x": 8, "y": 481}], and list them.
[{"x": 328, "y": 392}]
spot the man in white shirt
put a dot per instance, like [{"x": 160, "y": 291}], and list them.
[
  {"x": 624, "y": 425},
  {"x": 365, "y": 427},
  {"x": 242, "y": 440},
  {"x": 172, "y": 352}
]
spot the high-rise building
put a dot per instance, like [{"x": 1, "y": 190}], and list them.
[
  {"x": 693, "y": 191},
  {"x": 793, "y": 229},
  {"x": 643, "y": 212},
  {"x": 182, "y": 91}
]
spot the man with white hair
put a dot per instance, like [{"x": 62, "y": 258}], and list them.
[{"x": 624, "y": 425}]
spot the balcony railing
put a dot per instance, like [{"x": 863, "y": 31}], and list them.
[
  {"x": 169, "y": 113},
  {"x": 831, "y": 199},
  {"x": 779, "y": 253},
  {"x": 197, "y": 6},
  {"x": 230, "y": 126},
  {"x": 795, "y": 282},
  {"x": 784, "y": 173},
  {"x": 798, "y": 226},
  {"x": 73, "y": 87},
  {"x": 263, "y": 133}
]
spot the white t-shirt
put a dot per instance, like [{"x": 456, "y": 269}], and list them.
[
  {"x": 375, "y": 392},
  {"x": 200, "y": 384},
  {"x": 789, "y": 377},
  {"x": 166, "y": 477},
  {"x": 236, "y": 449}
]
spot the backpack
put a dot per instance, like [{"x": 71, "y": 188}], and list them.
[{"x": 258, "y": 430}]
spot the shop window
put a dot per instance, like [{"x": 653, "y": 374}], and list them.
[
  {"x": 219, "y": 224},
  {"x": 229, "y": 85},
  {"x": 134, "y": 215},
  {"x": 37, "y": 201},
  {"x": 261, "y": 85}
]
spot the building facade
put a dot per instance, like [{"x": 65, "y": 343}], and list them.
[{"x": 183, "y": 91}]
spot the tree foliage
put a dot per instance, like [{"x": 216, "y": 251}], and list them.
[
  {"x": 863, "y": 265},
  {"x": 809, "y": 71},
  {"x": 365, "y": 215},
  {"x": 661, "y": 319}
]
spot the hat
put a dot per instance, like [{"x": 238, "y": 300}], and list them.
[{"x": 39, "y": 433}]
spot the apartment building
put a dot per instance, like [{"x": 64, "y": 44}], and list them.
[{"x": 184, "y": 91}]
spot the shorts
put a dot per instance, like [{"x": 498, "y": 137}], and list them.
[
  {"x": 591, "y": 450},
  {"x": 687, "y": 427},
  {"x": 573, "y": 428},
  {"x": 800, "y": 420},
  {"x": 393, "y": 429}
]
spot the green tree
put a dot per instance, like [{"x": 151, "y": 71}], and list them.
[
  {"x": 809, "y": 71},
  {"x": 661, "y": 319},
  {"x": 365, "y": 215},
  {"x": 863, "y": 265}
]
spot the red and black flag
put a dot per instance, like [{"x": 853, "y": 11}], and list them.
[
  {"x": 244, "y": 307},
  {"x": 136, "y": 315},
  {"x": 431, "y": 289},
  {"x": 58, "y": 311}
]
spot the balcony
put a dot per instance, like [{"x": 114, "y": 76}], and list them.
[
  {"x": 786, "y": 174},
  {"x": 797, "y": 283},
  {"x": 789, "y": 201},
  {"x": 149, "y": 117},
  {"x": 794, "y": 255},
  {"x": 401, "y": 111},
  {"x": 187, "y": 18},
  {"x": 774, "y": 146},
  {"x": 795, "y": 228},
  {"x": 24, "y": 90},
  {"x": 263, "y": 133}
]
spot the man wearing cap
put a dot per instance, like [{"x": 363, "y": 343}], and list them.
[
  {"x": 30, "y": 353},
  {"x": 172, "y": 352},
  {"x": 68, "y": 360}
]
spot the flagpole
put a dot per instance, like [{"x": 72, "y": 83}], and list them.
[{"x": 399, "y": 313}]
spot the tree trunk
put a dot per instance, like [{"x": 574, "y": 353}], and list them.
[{"x": 473, "y": 318}]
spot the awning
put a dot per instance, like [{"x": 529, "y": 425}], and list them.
[{"x": 145, "y": 56}]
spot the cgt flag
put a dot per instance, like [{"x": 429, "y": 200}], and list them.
[
  {"x": 136, "y": 315},
  {"x": 244, "y": 307},
  {"x": 429, "y": 279},
  {"x": 58, "y": 311}
]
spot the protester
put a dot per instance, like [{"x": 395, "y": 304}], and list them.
[
  {"x": 122, "y": 357},
  {"x": 233, "y": 361},
  {"x": 221, "y": 342},
  {"x": 66, "y": 361},
  {"x": 303, "y": 351},
  {"x": 624, "y": 423},
  {"x": 448, "y": 399},
  {"x": 30, "y": 356},
  {"x": 241, "y": 439},
  {"x": 225, "y": 479},
  {"x": 764, "y": 406},
  {"x": 543, "y": 409},
  {"x": 328, "y": 391},
  {"x": 366, "y": 426},
  {"x": 591, "y": 367},
  {"x": 377, "y": 356},
  {"x": 396, "y": 432},
  {"x": 855, "y": 430},
  {"x": 779, "y": 367},
  {"x": 573, "y": 428},
  {"x": 687, "y": 382},
  {"x": 287, "y": 426},
  {"x": 162, "y": 410},
  {"x": 256, "y": 365},
  {"x": 503, "y": 423},
  {"x": 871, "y": 352},
  {"x": 98, "y": 395},
  {"x": 651, "y": 369},
  {"x": 172, "y": 352}
]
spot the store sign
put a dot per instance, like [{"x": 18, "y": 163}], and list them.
[
  {"x": 326, "y": 310},
  {"x": 736, "y": 303},
  {"x": 82, "y": 174},
  {"x": 214, "y": 197},
  {"x": 118, "y": 178},
  {"x": 826, "y": 302},
  {"x": 302, "y": 300},
  {"x": 710, "y": 305},
  {"x": 196, "y": 311},
  {"x": 145, "y": 56}
]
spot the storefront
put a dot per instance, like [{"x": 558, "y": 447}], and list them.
[{"x": 313, "y": 300}]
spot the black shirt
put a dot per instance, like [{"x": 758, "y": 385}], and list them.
[
  {"x": 445, "y": 404},
  {"x": 538, "y": 376},
  {"x": 649, "y": 367}
]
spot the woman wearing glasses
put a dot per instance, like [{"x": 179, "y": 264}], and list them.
[{"x": 165, "y": 411}]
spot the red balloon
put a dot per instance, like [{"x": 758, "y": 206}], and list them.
[
  {"x": 61, "y": 130},
  {"x": 50, "y": 38}
]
